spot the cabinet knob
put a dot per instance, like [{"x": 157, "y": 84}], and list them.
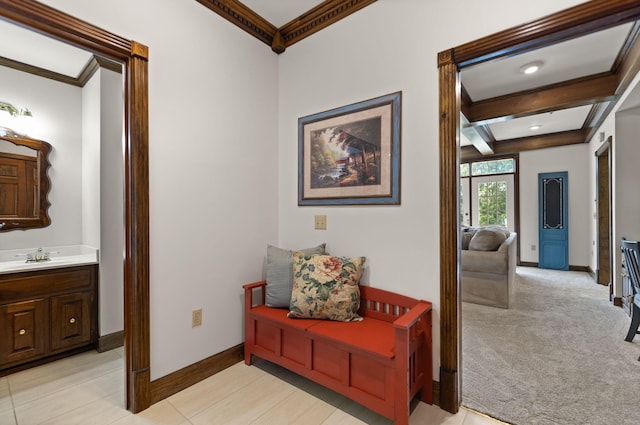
[
  {"x": 22, "y": 331},
  {"x": 72, "y": 320}
]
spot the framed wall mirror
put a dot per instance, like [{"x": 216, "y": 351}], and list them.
[{"x": 24, "y": 182}]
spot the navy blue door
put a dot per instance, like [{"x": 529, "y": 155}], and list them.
[{"x": 553, "y": 226}]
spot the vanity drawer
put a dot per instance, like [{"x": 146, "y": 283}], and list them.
[
  {"x": 47, "y": 282},
  {"x": 70, "y": 320},
  {"x": 23, "y": 331}
]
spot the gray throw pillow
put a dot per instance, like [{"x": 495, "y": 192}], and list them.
[
  {"x": 465, "y": 238},
  {"x": 280, "y": 273},
  {"x": 486, "y": 240}
]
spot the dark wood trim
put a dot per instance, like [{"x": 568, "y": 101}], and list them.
[
  {"x": 514, "y": 146},
  {"x": 64, "y": 27},
  {"x": 40, "y": 72},
  {"x": 583, "y": 19},
  {"x": 627, "y": 63},
  {"x": 576, "y": 21},
  {"x": 95, "y": 63},
  {"x": 177, "y": 381},
  {"x": 564, "y": 138},
  {"x": 604, "y": 225},
  {"x": 585, "y": 269},
  {"x": 626, "y": 66},
  {"x": 449, "y": 107},
  {"x": 111, "y": 341},
  {"x": 244, "y": 18},
  {"x": 87, "y": 72},
  {"x": 136, "y": 265},
  {"x": 578, "y": 92},
  {"x": 321, "y": 16},
  {"x": 436, "y": 393}
]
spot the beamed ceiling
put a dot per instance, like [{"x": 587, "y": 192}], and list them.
[
  {"x": 585, "y": 78},
  {"x": 578, "y": 85}
]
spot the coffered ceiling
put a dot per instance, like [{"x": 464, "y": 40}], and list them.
[{"x": 506, "y": 111}]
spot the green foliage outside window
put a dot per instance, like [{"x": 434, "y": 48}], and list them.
[
  {"x": 500, "y": 166},
  {"x": 464, "y": 170},
  {"x": 492, "y": 203}
]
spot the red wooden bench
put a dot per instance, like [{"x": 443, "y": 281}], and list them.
[{"x": 382, "y": 362}]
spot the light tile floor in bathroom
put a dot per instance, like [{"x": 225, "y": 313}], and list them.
[{"x": 88, "y": 389}]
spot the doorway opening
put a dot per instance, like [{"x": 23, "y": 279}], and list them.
[
  {"x": 578, "y": 21},
  {"x": 134, "y": 56}
]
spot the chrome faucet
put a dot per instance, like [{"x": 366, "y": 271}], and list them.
[{"x": 38, "y": 257}]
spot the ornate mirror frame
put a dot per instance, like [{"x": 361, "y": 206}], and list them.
[
  {"x": 580, "y": 20},
  {"x": 134, "y": 56},
  {"x": 44, "y": 184}
]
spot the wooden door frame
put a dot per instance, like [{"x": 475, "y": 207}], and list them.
[
  {"x": 134, "y": 56},
  {"x": 604, "y": 178},
  {"x": 577, "y": 21}
]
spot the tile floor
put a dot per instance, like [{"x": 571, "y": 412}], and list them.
[{"x": 87, "y": 389}]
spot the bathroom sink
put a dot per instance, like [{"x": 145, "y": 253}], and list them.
[{"x": 67, "y": 256}]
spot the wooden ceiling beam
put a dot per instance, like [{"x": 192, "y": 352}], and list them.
[
  {"x": 627, "y": 64},
  {"x": 543, "y": 141},
  {"x": 578, "y": 92},
  {"x": 514, "y": 146}
]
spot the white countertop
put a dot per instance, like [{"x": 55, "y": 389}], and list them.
[{"x": 14, "y": 260}]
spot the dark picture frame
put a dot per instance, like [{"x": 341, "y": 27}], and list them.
[{"x": 351, "y": 155}]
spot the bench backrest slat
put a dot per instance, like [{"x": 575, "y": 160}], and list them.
[{"x": 383, "y": 305}]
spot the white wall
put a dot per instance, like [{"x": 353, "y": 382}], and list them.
[
  {"x": 91, "y": 162},
  {"x": 212, "y": 167},
  {"x": 58, "y": 121},
  {"x": 388, "y": 46},
  {"x": 623, "y": 126},
  {"x": 223, "y": 115},
  {"x": 111, "y": 202},
  {"x": 103, "y": 186},
  {"x": 573, "y": 159}
]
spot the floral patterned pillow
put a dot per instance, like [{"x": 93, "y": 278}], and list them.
[{"x": 326, "y": 287}]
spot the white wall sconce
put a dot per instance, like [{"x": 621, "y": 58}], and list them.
[{"x": 18, "y": 120}]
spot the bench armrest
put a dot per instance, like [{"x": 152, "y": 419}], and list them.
[
  {"x": 412, "y": 316},
  {"x": 255, "y": 284},
  {"x": 249, "y": 295}
]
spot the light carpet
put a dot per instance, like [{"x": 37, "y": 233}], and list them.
[{"x": 557, "y": 357}]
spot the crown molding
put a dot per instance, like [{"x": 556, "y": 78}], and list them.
[{"x": 321, "y": 16}]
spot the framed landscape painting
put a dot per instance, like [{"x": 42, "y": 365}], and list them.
[{"x": 351, "y": 155}]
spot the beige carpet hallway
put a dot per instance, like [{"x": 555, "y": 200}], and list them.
[{"x": 557, "y": 357}]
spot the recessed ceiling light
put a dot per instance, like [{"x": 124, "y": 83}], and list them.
[
  {"x": 531, "y": 67},
  {"x": 535, "y": 127}
]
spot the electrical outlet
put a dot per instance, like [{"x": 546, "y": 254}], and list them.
[
  {"x": 321, "y": 222},
  {"x": 196, "y": 318},
  {"x": 533, "y": 247}
]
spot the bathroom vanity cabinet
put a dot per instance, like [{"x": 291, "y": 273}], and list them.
[{"x": 46, "y": 313}]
